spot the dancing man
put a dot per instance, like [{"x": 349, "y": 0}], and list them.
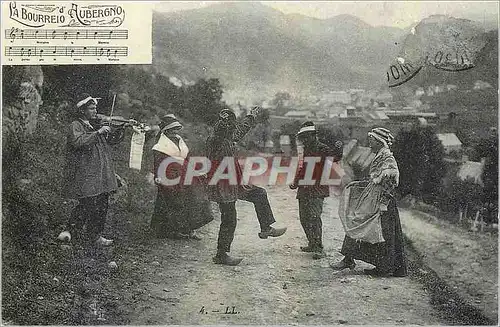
[{"x": 221, "y": 145}]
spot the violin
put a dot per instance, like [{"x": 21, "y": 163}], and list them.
[{"x": 119, "y": 122}]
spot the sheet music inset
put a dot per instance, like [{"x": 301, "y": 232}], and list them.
[{"x": 58, "y": 33}]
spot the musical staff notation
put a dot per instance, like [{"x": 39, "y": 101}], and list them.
[
  {"x": 67, "y": 51},
  {"x": 62, "y": 34}
]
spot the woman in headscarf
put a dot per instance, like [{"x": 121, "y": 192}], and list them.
[
  {"x": 179, "y": 209},
  {"x": 370, "y": 216}
]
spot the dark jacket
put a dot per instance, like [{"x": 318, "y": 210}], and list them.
[
  {"x": 220, "y": 146},
  {"x": 89, "y": 168},
  {"x": 323, "y": 151}
]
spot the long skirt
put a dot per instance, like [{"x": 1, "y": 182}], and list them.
[
  {"x": 180, "y": 212},
  {"x": 387, "y": 256}
]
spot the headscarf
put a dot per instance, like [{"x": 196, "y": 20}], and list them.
[
  {"x": 382, "y": 135},
  {"x": 84, "y": 99},
  {"x": 175, "y": 147},
  {"x": 169, "y": 122}
]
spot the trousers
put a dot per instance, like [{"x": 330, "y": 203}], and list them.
[
  {"x": 257, "y": 196},
  {"x": 310, "y": 210},
  {"x": 90, "y": 213}
]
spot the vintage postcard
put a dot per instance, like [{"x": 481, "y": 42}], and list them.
[{"x": 249, "y": 163}]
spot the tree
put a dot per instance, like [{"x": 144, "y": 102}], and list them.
[
  {"x": 67, "y": 82},
  {"x": 279, "y": 102},
  {"x": 488, "y": 149},
  {"x": 463, "y": 197},
  {"x": 329, "y": 135},
  {"x": 420, "y": 155},
  {"x": 204, "y": 100}
]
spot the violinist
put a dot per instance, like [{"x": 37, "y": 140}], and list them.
[{"x": 89, "y": 174}]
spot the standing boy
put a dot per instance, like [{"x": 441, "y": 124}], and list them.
[{"x": 311, "y": 197}]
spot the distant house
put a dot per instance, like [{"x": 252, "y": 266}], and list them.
[
  {"x": 419, "y": 91},
  {"x": 384, "y": 96},
  {"x": 427, "y": 115},
  {"x": 450, "y": 142},
  {"x": 337, "y": 97},
  {"x": 266, "y": 105},
  {"x": 480, "y": 85},
  {"x": 377, "y": 115},
  {"x": 305, "y": 114},
  {"x": 350, "y": 111},
  {"x": 356, "y": 91},
  {"x": 472, "y": 170},
  {"x": 336, "y": 109},
  {"x": 416, "y": 104},
  {"x": 322, "y": 114},
  {"x": 360, "y": 102},
  {"x": 381, "y": 115},
  {"x": 353, "y": 120},
  {"x": 438, "y": 89}
]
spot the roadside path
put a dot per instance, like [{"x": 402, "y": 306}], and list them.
[{"x": 177, "y": 283}]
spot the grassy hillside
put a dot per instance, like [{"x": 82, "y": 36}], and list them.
[{"x": 43, "y": 282}]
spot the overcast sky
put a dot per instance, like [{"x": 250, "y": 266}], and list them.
[{"x": 398, "y": 14}]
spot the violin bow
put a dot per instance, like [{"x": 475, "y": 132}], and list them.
[
  {"x": 113, "y": 105},
  {"x": 112, "y": 109}
]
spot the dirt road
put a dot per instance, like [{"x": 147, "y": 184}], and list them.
[
  {"x": 175, "y": 282},
  {"x": 466, "y": 260}
]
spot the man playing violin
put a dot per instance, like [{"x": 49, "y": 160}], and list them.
[{"x": 89, "y": 174}]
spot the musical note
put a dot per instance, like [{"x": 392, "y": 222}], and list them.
[
  {"x": 13, "y": 33},
  {"x": 72, "y": 51}
]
